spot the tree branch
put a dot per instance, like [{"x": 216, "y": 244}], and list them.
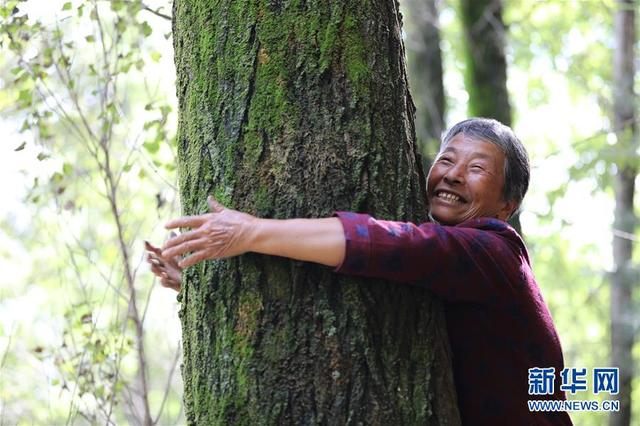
[{"x": 156, "y": 12}]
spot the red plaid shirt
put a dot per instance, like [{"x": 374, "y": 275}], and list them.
[{"x": 498, "y": 323}]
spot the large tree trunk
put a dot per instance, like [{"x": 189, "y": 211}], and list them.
[
  {"x": 424, "y": 65},
  {"x": 486, "y": 71},
  {"x": 296, "y": 109},
  {"x": 624, "y": 277}
]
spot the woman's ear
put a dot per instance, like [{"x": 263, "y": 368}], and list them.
[{"x": 507, "y": 210}]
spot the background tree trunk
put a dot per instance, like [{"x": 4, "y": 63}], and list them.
[
  {"x": 486, "y": 72},
  {"x": 296, "y": 109},
  {"x": 624, "y": 277},
  {"x": 424, "y": 67}
]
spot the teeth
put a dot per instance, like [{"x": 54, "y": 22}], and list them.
[{"x": 449, "y": 197}]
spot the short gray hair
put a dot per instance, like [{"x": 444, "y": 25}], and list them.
[{"x": 516, "y": 165}]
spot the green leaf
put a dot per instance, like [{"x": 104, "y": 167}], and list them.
[
  {"x": 165, "y": 110},
  {"x": 67, "y": 168},
  {"x": 150, "y": 124},
  {"x": 90, "y": 39},
  {"x": 47, "y": 56},
  {"x": 21, "y": 147},
  {"x": 116, "y": 5},
  {"x": 155, "y": 56},
  {"x": 146, "y": 29},
  {"x": 21, "y": 78},
  {"x": 42, "y": 156},
  {"x": 152, "y": 146},
  {"x": 67, "y": 6},
  {"x": 25, "y": 96},
  {"x": 121, "y": 25}
]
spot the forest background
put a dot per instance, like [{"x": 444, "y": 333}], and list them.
[{"x": 87, "y": 97}]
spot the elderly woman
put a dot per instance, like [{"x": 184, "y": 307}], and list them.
[{"x": 499, "y": 326}]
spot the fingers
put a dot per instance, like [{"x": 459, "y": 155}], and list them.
[
  {"x": 168, "y": 282},
  {"x": 155, "y": 259},
  {"x": 152, "y": 248},
  {"x": 176, "y": 240},
  {"x": 167, "y": 271},
  {"x": 167, "y": 278},
  {"x": 214, "y": 205},
  {"x": 195, "y": 221},
  {"x": 157, "y": 267},
  {"x": 186, "y": 247},
  {"x": 212, "y": 251},
  {"x": 158, "y": 271},
  {"x": 186, "y": 222},
  {"x": 154, "y": 254},
  {"x": 196, "y": 257}
]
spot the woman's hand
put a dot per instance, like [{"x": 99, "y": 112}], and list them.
[
  {"x": 166, "y": 269},
  {"x": 221, "y": 233}
]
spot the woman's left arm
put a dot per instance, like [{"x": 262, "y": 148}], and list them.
[{"x": 225, "y": 233}]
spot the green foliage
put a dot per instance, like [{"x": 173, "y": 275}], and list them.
[
  {"x": 94, "y": 129},
  {"x": 89, "y": 358}
]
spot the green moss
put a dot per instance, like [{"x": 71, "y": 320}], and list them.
[
  {"x": 329, "y": 38},
  {"x": 355, "y": 55},
  {"x": 253, "y": 147},
  {"x": 223, "y": 195},
  {"x": 263, "y": 202}
]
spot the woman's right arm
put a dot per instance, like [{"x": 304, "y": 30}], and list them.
[
  {"x": 311, "y": 240},
  {"x": 226, "y": 233}
]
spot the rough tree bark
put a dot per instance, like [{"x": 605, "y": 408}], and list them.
[
  {"x": 424, "y": 66},
  {"x": 296, "y": 109},
  {"x": 624, "y": 277},
  {"x": 486, "y": 71}
]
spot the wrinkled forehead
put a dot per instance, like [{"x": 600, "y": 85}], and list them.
[
  {"x": 474, "y": 147},
  {"x": 466, "y": 138}
]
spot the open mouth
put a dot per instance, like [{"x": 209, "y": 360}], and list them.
[{"x": 450, "y": 197}]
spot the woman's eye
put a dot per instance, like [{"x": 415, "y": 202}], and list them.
[
  {"x": 444, "y": 160},
  {"x": 477, "y": 167}
]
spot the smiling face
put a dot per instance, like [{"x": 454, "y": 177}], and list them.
[{"x": 466, "y": 182}]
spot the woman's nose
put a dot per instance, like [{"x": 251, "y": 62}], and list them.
[{"x": 455, "y": 174}]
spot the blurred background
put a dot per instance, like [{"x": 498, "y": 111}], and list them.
[{"x": 87, "y": 172}]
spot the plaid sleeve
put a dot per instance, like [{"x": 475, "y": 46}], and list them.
[
  {"x": 358, "y": 243},
  {"x": 459, "y": 263}
]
